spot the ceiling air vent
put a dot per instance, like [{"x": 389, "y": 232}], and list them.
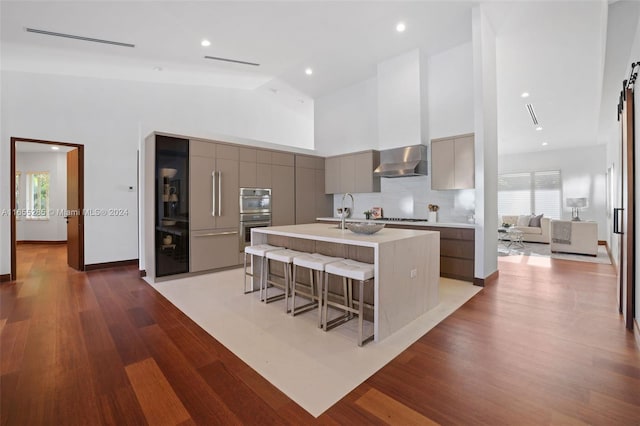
[
  {"x": 235, "y": 61},
  {"x": 76, "y": 37},
  {"x": 532, "y": 113}
]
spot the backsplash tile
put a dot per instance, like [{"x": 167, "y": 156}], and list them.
[{"x": 409, "y": 197}]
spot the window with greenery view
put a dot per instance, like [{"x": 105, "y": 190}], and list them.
[
  {"x": 18, "y": 190},
  {"x": 37, "y": 191}
]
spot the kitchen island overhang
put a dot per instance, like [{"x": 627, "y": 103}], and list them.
[{"x": 407, "y": 268}]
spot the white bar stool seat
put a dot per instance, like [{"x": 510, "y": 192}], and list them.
[
  {"x": 258, "y": 250},
  {"x": 285, "y": 257},
  {"x": 315, "y": 262},
  {"x": 349, "y": 270}
]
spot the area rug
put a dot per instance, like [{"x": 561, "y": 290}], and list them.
[
  {"x": 543, "y": 250},
  {"x": 312, "y": 367}
]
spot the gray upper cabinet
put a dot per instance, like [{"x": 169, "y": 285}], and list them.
[
  {"x": 453, "y": 163},
  {"x": 352, "y": 173},
  {"x": 311, "y": 200},
  {"x": 332, "y": 175}
]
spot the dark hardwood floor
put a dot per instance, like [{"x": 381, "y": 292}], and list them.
[{"x": 542, "y": 345}]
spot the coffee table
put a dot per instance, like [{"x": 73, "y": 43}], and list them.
[{"x": 515, "y": 238}]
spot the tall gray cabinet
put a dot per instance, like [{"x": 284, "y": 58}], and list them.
[
  {"x": 214, "y": 207},
  {"x": 311, "y": 200}
]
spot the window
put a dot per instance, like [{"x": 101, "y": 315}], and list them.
[
  {"x": 530, "y": 192},
  {"x": 18, "y": 174},
  {"x": 37, "y": 189}
]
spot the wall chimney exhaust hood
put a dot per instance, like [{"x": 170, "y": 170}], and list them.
[{"x": 403, "y": 162}]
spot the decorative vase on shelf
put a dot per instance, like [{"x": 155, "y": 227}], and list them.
[{"x": 433, "y": 217}]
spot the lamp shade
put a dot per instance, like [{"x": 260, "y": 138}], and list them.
[{"x": 576, "y": 202}]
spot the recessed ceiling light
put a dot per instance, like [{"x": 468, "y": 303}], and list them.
[
  {"x": 539, "y": 128},
  {"x": 545, "y": 143},
  {"x": 157, "y": 68},
  {"x": 205, "y": 43},
  {"x": 401, "y": 27},
  {"x": 308, "y": 71},
  {"x": 524, "y": 95},
  {"x": 55, "y": 148}
]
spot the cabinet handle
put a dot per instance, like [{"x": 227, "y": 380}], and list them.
[
  {"x": 616, "y": 220},
  {"x": 219, "y": 193},
  {"x": 215, "y": 234},
  {"x": 213, "y": 193}
]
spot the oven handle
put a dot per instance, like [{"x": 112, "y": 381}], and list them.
[{"x": 251, "y": 222}]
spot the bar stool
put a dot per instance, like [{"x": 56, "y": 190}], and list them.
[
  {"x": 285, "y": 257},
  {"x": 349, "y": 270},
  {"x": 316, "y": 263},
  {"x": 258, "y": 250}
]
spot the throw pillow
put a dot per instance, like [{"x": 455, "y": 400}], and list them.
[
  {"x": 523, "y": 220},
  {"x": 535, "y": 221}
]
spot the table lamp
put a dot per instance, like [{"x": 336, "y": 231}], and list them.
[{"x": 576, "y": 204}]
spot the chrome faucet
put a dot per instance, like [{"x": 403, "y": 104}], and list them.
[{"x": 344, "y": 213}]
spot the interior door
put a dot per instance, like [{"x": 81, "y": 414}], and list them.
[
  {"x": 75, "y": 219},
  {"x": 627, "y": 224}
]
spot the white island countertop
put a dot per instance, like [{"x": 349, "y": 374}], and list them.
[
  {"x": 401, "y": 222},
  {"x": 331, "y": 234},
  {"x": 406, "y": 263}
]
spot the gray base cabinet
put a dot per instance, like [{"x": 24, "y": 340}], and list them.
[{"x": 213, "y": 249}]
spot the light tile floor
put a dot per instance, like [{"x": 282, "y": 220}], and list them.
[{"x": 314, "y": 368}]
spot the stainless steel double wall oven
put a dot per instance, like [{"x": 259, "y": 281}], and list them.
[{"x": 255, "y": 212}]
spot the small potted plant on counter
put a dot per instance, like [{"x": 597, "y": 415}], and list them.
[
  {"x": 367, "y": 214},
  {"x": 433, "y": 212}
]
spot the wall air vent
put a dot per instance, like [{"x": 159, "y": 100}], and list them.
[
  {"x": 76, "y": 37},
  {"x": 532, "y": 113},
  {"x": 235, "y": 61}
]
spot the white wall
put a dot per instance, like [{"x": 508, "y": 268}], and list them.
[
  {"x": 110, "y": 117},
  {"x": 399, "y": 101},
  {"x": 54, "y": 228},
  {"x": 347, "y": 120},
  {"x": 450, "y": 99},
  {"x": 583, "y": 172}
]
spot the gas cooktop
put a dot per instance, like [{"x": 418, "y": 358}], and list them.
[{"x": 402, "y": 219}]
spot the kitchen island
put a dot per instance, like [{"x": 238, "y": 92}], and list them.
[
  {"x": 457, "y": 243},
  {"x": 406, "y": 265}
]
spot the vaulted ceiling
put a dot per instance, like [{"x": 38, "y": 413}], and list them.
[{"x": 555, "y": 51}]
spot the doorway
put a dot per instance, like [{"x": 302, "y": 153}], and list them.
[{"x": 38, "y": 206}]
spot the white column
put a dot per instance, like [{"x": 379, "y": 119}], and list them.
[{"x": 486, "y": 143}]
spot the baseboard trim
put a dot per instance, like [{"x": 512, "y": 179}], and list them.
[
  {"x": 142, "y": 273},
  {"x": 5, "y": 278},
  {"x": 107, "y": 265},
  {"x": 455, "y": 277},
  {"x": 481, "y": 282},
  {"x": 41, "y": 242},
  {"x": 636, "y": 332}
]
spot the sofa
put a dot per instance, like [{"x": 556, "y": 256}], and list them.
[
  {"x": 532, "y": 234},
  {"x": 574, "y": 237}
]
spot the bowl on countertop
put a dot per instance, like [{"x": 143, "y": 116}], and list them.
[{"x": 367, "y": 228}]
